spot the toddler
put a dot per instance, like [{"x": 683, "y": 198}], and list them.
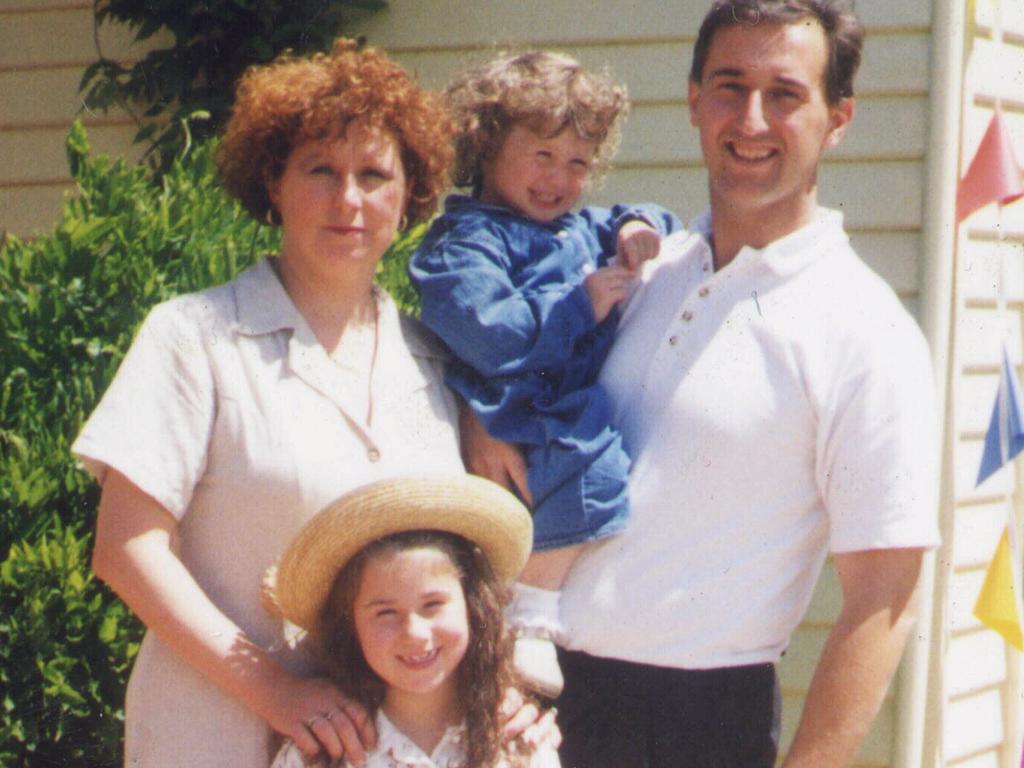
[
  {"x": 524, "y": 292},
  {"x": 400, "y": 585}
]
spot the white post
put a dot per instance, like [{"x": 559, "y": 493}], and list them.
[{"x": 921, "y": 689}]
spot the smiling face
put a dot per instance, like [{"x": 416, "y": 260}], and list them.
[
  {"x": 340, "y": 203},
  {"x": 410, "y": 618},
  {"x": 539, "y": 177},
  {"x": 764, "y": 121}
]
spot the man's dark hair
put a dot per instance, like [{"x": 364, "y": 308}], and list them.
[{"x": 843, "y": 30}]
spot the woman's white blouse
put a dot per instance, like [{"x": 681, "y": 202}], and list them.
[{"x": 230, "y": 414}]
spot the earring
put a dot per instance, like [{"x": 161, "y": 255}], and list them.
[
  {"x": 268, "y": 217},
  {"x": 403, "y": 223}
]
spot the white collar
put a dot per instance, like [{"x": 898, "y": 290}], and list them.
[
  {"x": 261, "y": 302},
  {"x": 790, "y": 253},
  {"x": 399, "y": 749},
  {"x": 263, "y": 306}
]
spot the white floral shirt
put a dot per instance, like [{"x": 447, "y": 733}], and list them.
[{"x": 396, "y": 750}]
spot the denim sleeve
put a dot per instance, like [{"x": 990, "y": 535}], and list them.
[
  {"x": 605, "y": 222},
  {"x": 497, "y": 328}
]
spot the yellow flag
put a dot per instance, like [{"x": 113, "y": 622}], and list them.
[{"x": 997, "y": 602}]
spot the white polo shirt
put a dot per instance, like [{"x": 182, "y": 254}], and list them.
[{"x": 775, "y": 410}]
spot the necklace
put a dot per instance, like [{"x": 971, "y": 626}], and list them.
[
  {"x": 355, "y": 357},
  {"x": 375, "y": 298}
]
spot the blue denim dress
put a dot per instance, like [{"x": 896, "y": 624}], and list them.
[{"x": 506, "y": 294}]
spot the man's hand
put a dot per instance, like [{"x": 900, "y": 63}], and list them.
[
  {"x": 637, "y": 242},
  {"x": 860, "y": 657},
  {"x": 523, "y": 720},
  {"x": 493, "y": 459}
]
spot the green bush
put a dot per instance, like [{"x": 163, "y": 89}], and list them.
[
  {"x": 70, "y": 302},
  {"x": 64, "y": 651}
]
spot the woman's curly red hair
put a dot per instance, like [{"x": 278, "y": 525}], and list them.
[{"x": 281, "y": 105}]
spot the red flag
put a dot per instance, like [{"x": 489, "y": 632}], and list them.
[{"x": 993, "y": 175}]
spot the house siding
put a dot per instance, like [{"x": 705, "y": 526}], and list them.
[
  {"x": 981, "y": 673},
  {"x": 45, "y": 46}
]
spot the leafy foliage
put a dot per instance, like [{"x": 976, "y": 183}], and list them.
[
  {"x": 393, "y": 270},
  {"x": 213, "y": 42},
  {"x": 70, "y": 303},
  {"x": 64, "y": 651}
]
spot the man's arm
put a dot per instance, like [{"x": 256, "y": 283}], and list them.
[
  {"x": 860, "y": 657},
  {"x": 488, "y": 457}
]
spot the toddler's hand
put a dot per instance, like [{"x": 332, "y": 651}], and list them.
[
  {"x": 637, "y": 242},
  {"x": 606, "y": 287}
]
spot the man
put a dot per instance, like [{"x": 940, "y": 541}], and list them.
[{"x": 777, "y": 402}]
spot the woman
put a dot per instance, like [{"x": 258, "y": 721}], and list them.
[{"x": 240, "y": 411}]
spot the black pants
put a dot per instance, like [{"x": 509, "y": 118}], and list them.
[{"x": 614, "y": 714}]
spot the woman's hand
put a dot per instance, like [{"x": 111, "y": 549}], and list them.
[
  {"x": 317, "y": 716},
  {"x": 488, "y": 457},
  {"x": 525, "y": 721}
]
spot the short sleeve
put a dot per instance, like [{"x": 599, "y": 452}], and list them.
[
  {"x": 878, "y": 447},
  {"x": 153, "y": 423},
  {"x": 606, "y": 222}
]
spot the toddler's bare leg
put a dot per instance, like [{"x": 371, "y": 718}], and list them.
[{"x": 535, "y": 620}]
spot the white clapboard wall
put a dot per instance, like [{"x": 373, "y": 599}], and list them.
[
  {"x": 45, "y": 45},
  {"x": 982, "y": 673}
]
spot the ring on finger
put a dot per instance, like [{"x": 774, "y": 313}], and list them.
[
  {"x": 333, "y": 711},
  {"x": 318, "y": 716}
]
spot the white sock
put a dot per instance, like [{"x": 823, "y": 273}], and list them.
[{"x": 535, "y": 611}]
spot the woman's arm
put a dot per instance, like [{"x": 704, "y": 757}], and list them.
[{"x": 135, "y": 555}]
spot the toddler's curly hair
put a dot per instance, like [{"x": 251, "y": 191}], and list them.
[{"x": 546, "y": 92}]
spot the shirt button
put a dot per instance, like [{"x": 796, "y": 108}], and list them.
[
  {"x": 704, "y": 291},
  {"x": 706, "y": 267},
  {"x": 687, "y": 316},
  {"x": 563, "y": 234},
  {"x": 673, "y": 340},
  {"x": 373, "y": 455}
]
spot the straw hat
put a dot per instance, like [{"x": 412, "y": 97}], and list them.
[{"x": 476, "y": 509}]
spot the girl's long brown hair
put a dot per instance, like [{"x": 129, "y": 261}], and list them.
[{"x": 485, "y": 670}]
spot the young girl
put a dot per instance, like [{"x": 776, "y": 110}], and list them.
[
  {"x": 400, "y": 585},
  {"x": 524, "y": 292}
]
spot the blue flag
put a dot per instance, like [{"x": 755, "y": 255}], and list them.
[{"x": 1005, "y": 436}]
